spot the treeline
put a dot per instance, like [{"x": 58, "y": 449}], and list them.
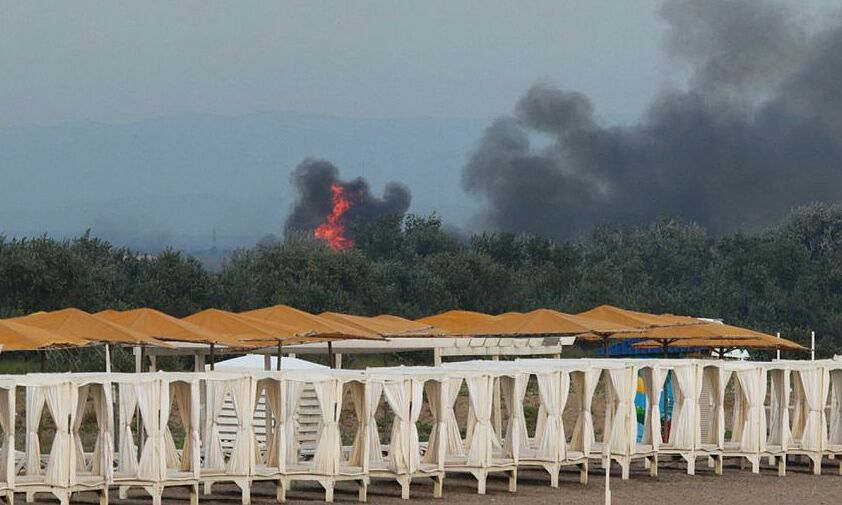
[{"x": 788, "y": 278}]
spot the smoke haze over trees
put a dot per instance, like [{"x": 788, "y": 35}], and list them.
[
  {"x": 756, "y": 132},
  {"x": 788, "y": 278}
]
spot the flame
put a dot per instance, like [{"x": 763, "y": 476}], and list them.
[{"x": 332, "y": 230}]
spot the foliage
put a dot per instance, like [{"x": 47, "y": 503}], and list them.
[{"x": 788, "y": 278}]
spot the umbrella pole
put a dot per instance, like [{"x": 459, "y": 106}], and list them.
[
  {"x": 107, "y": 358},
  {"x": 280, "y": 348},
  {"x": 606, "y": 353},
  {"x": 211, "y": 358},
  {"x": 43, "y": 357},
  {"x": 330, "y": 359},
  {"x": 665, "y": 347}
]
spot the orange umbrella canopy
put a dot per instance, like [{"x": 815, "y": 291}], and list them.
[
  {"x": 20, "y": 337},
  {"x": 553, "y": 322},
  {"x": 466, "y": 323},
  {"x": 309, "y": 325},
  {"x": 77, "y": 324},
  {"x": 242, "y": 330},
  {"x": 636, "y": 320},
  {"x": 713, "y": 335},
  {"x": 386, "y": 325},
  {"x": 164, "y": 326}
]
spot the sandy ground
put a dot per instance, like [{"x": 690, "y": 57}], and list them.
[{"x": 672, "y": 486}]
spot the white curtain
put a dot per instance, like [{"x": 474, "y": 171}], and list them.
[
  {"x": 366, "y": 417},
  {"x": 584, "y": 385},
  {"x": 7, "y": 424},
  {"x": 272, "y": 391},
  {"x": 182, "y": 394},
  {"x": 289, "y": 423},
  {"x": 514, "y": 391},
  {"x": 34, "y": 408},
  {"x": 61, "y": 400},
  {"x": 215, "y": 392},
  {"x": 835, "y": 436},
  {"x": 553, "y": 388},
  {"x": 481, "y": 393},
  {"x": 753, "y": 383},
  {"x": 77, "y": 424},
  {"x": 683, "y": 431},
  {"x": 127, "y": 451},
  {"x": 242, "y": 453},
  {"x": 815, "y": 393},
  {"x": 653, "y": 382},
  {"x": 102, "y": 462},
  {"x": 779, "y": 432},
  {"x": 718, "y": 378},
  {"x": 329, "y": 445},
  {"x": 151, "y": 456},
  {"x": 405, "y": 399},
  {"x": 442, "y": 394},
  {"x": 623, "y": 422}
]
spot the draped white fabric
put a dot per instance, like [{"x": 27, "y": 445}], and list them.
[
  {"x": 61, "y": 400},
  {"x": 553, "y": 388},
  {"x": 480, "y": 395},
  {"x": 835, "y": 436},
  {"x": 101, "y": 463},
  {"x": 7, "y": 424},
  {"x": 514, "y": 391},
  {"x": 242, "y": 453},
  {"x": 150, "y": 466},
  {"x": 77, "y": 424},
  {"x": 215, "y": 392},
  {"x": 584, "y": 385},
  {"x": 683, "y": 432},
  {"x": 444, "y": 436},
  {"x": 289, "y": 423},
  {"x": 367, "y": 418},
  {"x": 183, "y": 395},
  {"x": 329, "y": 446},
  {"x": 34, "y": 409},
  {"x": 718, "y": 379},
  {"x": 753, "y": 383},
  {"x": 779, "y": 431},
  {"x": 622, "y": 422},
  {"x": 405, "y": 399},
  {"x": 653, "y": 382},
  {"x": 274, "y": 437},
  {"x": 127, "y": 451},
  {"x": 814, "y": 389}
]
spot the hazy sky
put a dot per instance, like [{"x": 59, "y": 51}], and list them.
[{"x": 115, "y": 61}]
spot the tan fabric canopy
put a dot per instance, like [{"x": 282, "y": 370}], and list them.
[
  {"x": 309, "y": 325},
  {"x": 245, "y": 331},
  {"x": 466, "y": 323},
  {"x": 553, "y": 322},
  {"x": 634, "y": 319},
  {"x": 76, "y": 324},
  {"x": 386, "y": 325},
  {"x": 165, "y": 327},
  {"x": 20, "y": 337}
]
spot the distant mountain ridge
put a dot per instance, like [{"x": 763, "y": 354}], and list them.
[{"x": 173, "y": 180}]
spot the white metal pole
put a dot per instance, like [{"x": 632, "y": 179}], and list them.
[
  {"x": 607, "y": 481},
  {"x": 778, "y": 352},
  {"x": 107, "y": 358},
  {"x": 812, "y": 346}
]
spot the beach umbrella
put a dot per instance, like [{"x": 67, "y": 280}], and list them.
[
  {"x": 386, "y": 325},
  {"x": 77, "y": 324},
  {"x": 21, "y": 337},
  {"x": 164, "y": 327},
  {"x": 714, "y": 336},
  {"x": 553, "y": 322},
  {"x": 633, "y": 319},
  {"x": 311, "y": 328},
  {"x": 466, "y": 323}
]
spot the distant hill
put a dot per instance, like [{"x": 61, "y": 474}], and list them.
[{"x": 172, "y": 180}]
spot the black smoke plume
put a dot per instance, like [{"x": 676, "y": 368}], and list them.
[
  {"x": 313, "y": 179},
  {"x": 756, "y": 131}
]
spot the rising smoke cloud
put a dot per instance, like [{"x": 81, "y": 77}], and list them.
[
  {"x": 313, "y": 179},
  {"x": 756, "y": 131}
]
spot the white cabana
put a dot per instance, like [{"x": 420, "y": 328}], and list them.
[
  {"x": 329, "y": 464},
  {"x": 403, "y": 390},
  {"x": 7, "y": 449},
  {"x": 748, "y": 434},
  {"x": 237, "y": 465},
  {"x": 67, "y": 470},
  {"x": 477, "y": 455},
  {"x": 149, "y": 397},
  {"x": 809, "y": 433},
  {"x": 833, "y": 378}
]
